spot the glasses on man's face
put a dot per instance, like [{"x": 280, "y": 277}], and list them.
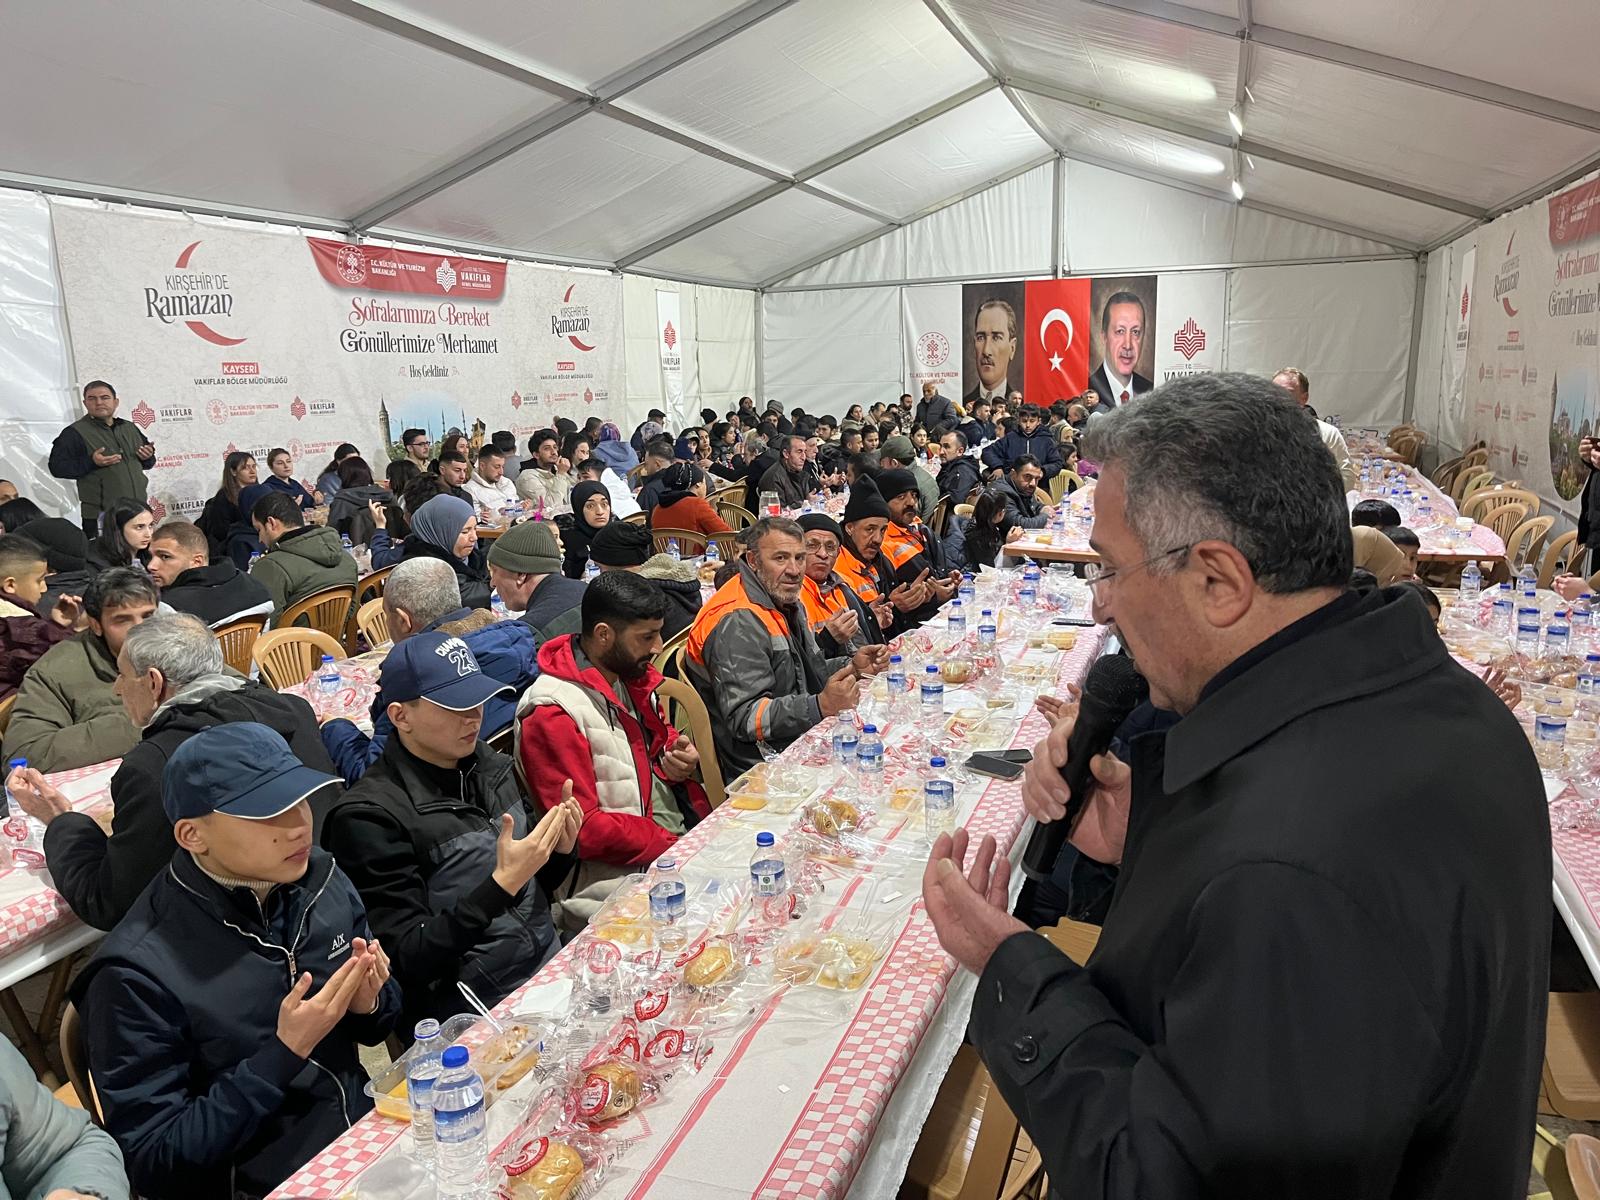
[
  {"x": 1097, "y": 575},
  {"x": 419, "y": 444}
]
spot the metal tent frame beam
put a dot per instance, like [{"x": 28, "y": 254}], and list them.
[{"x": 1364, "y": 60}]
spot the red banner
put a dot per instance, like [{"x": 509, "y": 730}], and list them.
[
  {"x": 1575, "y": 214},
  {"x": 383, "y": 269},
  {"x": 1056, "y": 330}
]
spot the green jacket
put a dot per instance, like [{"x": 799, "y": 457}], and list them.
[
  {"x": 47, "y": 1145},
  {"x": 71, "y": 457},
  {"x": 66, "y": 714},
  {"x": 927, "y": 491},
  {"x": 301, "y": 563}
]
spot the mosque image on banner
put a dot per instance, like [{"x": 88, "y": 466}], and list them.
[{"x": 393, "y": 448}]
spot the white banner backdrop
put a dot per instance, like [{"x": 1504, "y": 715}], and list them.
[
  {"x": 1191, "y": 324},
  {"x": 220, "y": 338},
  {"x": 932, "y": 339},
  {"x": 669, "y": 339},
  {"x": 1532, "y": 378}
]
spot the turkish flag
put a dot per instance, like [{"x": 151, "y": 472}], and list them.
[{"x": 1056, "y": 319}]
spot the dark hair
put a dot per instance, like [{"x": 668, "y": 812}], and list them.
[
  {"x": 863, "y": 464},
  {"x": 1029, "y": 410},
  {"x": 341, "y": 452},
  {"x": 726, "y": 571},
  {"x": 661, "y": 446},
  {"x": 1119, "y": 298},
  {"x": 112, "y": 545},
  {"x": 490, "y": 450},
  {"x": 708, "y": 415},
  {"x": 539, "y": 437},
  {"x": 18, "y": 553},
  {"x": 408, "y": 436},
  {"x": 97, "y": 383},
  {"x": 752, "y": 535},
  {"x": 452, "y": 456},
  {"x": 830, "y": 422},
  {"x": 401, "y": 472},
  {"x": 279, "y": 507},
  {"x": 1230, "y": 457},
  {"x": 719, "y": 431},
  {"x": 453, "y": 443},
  {"x": 354, "y": 472},
  {"x": 621, "y": 598},
  {"x": 420, "y": 490},
  {"x": 591, "y": 466},
  {"x": 230, "y": 464},
  {"x": 121, "y": 587},
  {"x": 961, "y": 438},
  {"x": 984, "y": 537},
  {"x": 1427, "y": 593},
  {"x": 274, "y": 452},
  {"x": 1024, "y": 460},
  {"x": 14, "y": 514},
  {"x": 591, "y": 428},
  {"x": 1380, "y": 514},
  {"x": 1401, "y": 536},
  {"x": 569, "y": 444},
  {"x": 564, "y": 426},
  {"x": 1362, "y": 580},
  {"x": 847, "y": 434}
]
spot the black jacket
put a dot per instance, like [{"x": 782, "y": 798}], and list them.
[
  {"x": 1026, "y": 511},
  {"x": 554, "y": 595},
  {"x": 472, "y": 576},
  {"x": 100, "y": 876},
  {"x": 216, "y": 592},
  {"x": 1589, "y": 515},
  {"x": 976, "y": 431},
  {"x": 349, "y": 514},
  {"x": 1014, "y": 445},
  {"x": 791, "y": 486},
  {"x": 937, "y": 410},
  {"x": 958, "y": 478},
  {"x": 419, "y": 844},
  {"x": 1318, "y": 977},
  {"x": 180, "y": 1016},
  {"x": 217, "y": 519}
]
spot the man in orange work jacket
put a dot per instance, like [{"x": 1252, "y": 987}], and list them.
[
  {"x": 913, "y": 550},
  {"x": 841, "y": 621}
]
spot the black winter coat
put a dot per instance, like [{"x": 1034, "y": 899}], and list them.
[
  {"x": 180, "y": 1016},
  {"x": 216, "y": 592},
  {"x": 472, "y": 576},
  {"x": 100, "y": 876},
  {"x": 419, "y": 844},
  {"x": 1320, "y": 976}
]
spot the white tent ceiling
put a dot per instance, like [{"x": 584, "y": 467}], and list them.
[{"x": 734, "y": 141}]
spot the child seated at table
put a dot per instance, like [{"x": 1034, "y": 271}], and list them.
[
  {"x": 1379, "y": 514},
  {"x": 1409, "y": 544},
  {"x": 222, "y": 1015},
  {"x": 25, "y": 634}
]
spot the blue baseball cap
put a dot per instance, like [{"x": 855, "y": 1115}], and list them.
[
  {"x": 241, "y": 769},
  {"x": 438, "y": 668}
]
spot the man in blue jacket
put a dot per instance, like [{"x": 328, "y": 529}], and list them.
[
  {"x": 222, "y": 1015},
  {"x": 1027, "y": 438},
  {"x": 422, "y": 595}
]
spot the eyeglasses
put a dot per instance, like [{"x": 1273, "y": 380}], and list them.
[
  {"x": 1097, "y": 575},
  {"x": 424, "y": 442}
]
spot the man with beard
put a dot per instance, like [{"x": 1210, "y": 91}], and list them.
[
  {"x": 913, "y": 552},
  {"x": 752, "y": 657},
  {"x": 1122, "y": 325},
  {"x": 840, "y": 619},
  {"x": 592, "y": 717},
  {"x": 866, "y": 569}
]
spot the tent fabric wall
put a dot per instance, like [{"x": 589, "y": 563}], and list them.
[
  {"x": 37, "y": 392},
  {"x": 717, "y": 344},
  {"x": 1439, "y": 408},
  {"x": 1347, "y": 325},
  {"x": 829, "y": 350}
]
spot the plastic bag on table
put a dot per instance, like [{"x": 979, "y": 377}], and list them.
[
  {"x": 549, "y": 1158},
  {"x": 841, "y": 958},
  {"x": 781, "y": 786}
]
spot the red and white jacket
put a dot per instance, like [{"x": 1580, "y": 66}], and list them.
[{"x": 571, "y": 725}]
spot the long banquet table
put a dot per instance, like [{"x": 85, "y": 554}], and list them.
[{"x": 822, "y": 1094}]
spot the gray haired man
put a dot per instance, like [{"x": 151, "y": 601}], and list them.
[
  {"x": 172, "y": 683},
  {"x": 1302, "y": 936}
]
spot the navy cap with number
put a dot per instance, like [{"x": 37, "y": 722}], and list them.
[{"x": 439, "y": 668}]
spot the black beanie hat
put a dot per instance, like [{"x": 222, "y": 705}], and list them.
[
  {"x": 866, "y": 501},
  {"x": 896, "y": 483},
  {"x": 620, "y": 544}
]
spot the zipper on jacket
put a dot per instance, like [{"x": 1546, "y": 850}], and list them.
[{"x": 344, "y": 1107}]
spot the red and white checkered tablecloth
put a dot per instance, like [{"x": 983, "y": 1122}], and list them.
[
  {"x": 30, "y": 907},
  {"x": 789, "y": 1107}
]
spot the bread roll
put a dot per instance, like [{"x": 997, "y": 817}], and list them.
[
  {"x": 545, "y": 1170},
  {"x": 609, "y": 1090}
]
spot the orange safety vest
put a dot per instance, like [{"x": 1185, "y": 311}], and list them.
[
  {"x": 858, "y": 576},
  {"x": 902, "y": 545},
  {"x": 821, "y": 609},
  {"x": 729, "y": 598}
]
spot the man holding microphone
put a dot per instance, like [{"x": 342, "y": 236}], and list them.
[{"x": 1316, "y": 978}]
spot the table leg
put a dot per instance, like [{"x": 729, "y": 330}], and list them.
[
  {"x": 32, "y": 1047},
  {"x": 55, "y": 999}
]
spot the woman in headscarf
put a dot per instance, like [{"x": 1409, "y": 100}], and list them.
[
  {"x": 613, "y": 451},
  {"x": 591, "y": 512},
  {"x": 683, "y": 503},
  {"x": 446, "y": 528}
]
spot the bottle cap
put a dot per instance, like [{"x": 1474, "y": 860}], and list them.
[
  {"x": 455, "y": 1056},
  {"x": 763, "y": 839},
  {"x": 894, "y": 658},
  {"x": 327, "y": 658},
  {"x": 936, "y": 761},
  {"x": 869, "y": 729},
  {"x": 930, "y": 669}
]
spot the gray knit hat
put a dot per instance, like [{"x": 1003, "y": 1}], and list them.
[{"x": 528, "y": 549}]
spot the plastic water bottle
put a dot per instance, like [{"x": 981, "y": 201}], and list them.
[
  {"x": 328, "y": 680},
  {"x": 497, "y": 606},
  {"x": 1528, "y": 635},
  {"x": 767, "y": 875},
  {"x": 1582, "y": 615},
  {"x": 422, "y": 1072},
  {"x": 845, "y": 739},
  {"x": 1503, "y": 618},
  {"x": 1028, "y": 593},
  {"x": 591, "y": 572},
  {"x": 968, "y": 591},
  {"x": 1471, "y": 583},
  {"x": 1030, "y": 572},
  {"x": 1550, "y": 741},
  {"x": 1528, "y": 580},
  {"x": 932, "y": 692},
  {"x": 955, "y": 621},
  {"x": 669, "y": 897},
  {"x": 254, "y": 559},
  {"x": 869, "y": 757},
  {"x": 986, "y": 629},
  {"x": 349, "y": 546},
  {"x": 1557, "y": 634},
  {"x": 12, "y": 807},
  {"x": 895, "y": 677},
  {"x": 675, "y": 554},
  {"x": 459, "y": 1129},
  {"x": 1589, "y": 677},
  {"x": 938, "y": 800},
  {"x": 713, "y": 557}
]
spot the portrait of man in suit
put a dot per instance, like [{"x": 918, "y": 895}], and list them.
[
  {"x": 1124, "y": 325},
  {"x": 994, "y": 348}
]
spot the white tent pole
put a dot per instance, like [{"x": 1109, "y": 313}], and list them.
[
  {"x": 1410, "y": 406},
  {"x": 761, "y": 350},
  {"x": 1058, "y": 216}
]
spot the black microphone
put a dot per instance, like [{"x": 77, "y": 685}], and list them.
[{"x": 1112, "y": 691}]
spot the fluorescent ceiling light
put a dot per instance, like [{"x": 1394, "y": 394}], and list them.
[
  {"x": 1236, "y": 121},
  {"x": 1238, "y": 190}
]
